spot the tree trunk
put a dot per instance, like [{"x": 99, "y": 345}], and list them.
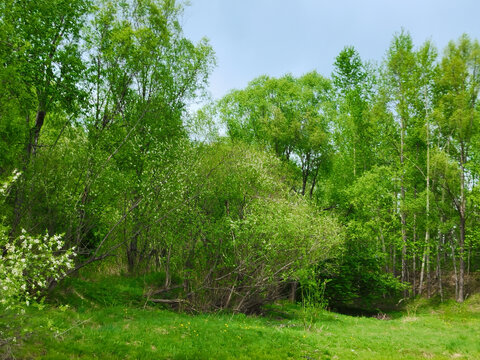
[
  {"x": 384, "y": 249},
  {"x": 314, "y": 181},
  {"x": 403, "y": 214},
  {"x": 429, "y": 276},
  {"x": 422, "y": 271},
  {"x": 427, "y": 208},
  {"x": 394, "y": 260},
  {"x": 404, "y": 246},
  {"x": 305, "y": 173},
  {"x": 454, "y": 262},
  {"x": 414, "y": 262},
  {"x": 132, "y": 252},
  {"x": 461, "y": 240},
  {"x": 354, "y": 161},
  {"x": 439, "y": 270},
  {"x": 293, "y": 291},
  {"x": 168, "y": 276},
  {"x": 35, "y": 131},
  {"x": 461, "y": 268}
]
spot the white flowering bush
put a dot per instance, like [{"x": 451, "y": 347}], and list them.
[{"x": 29, "y": 263}]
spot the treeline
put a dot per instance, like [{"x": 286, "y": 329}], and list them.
[
  {"x": 367, "y": 180},
  {"x": 390, "y": 149}
]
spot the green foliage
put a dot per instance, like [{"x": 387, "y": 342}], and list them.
[
  {"x": 244, "y": 233},
  {"x": 119, "y": 161},
  {"x": 314, "y": 301},
  {"x": 354, "y": 130},
  {"x": 360, "y": 281},
  {"x": 369, "y": 180},
  {"x": 288, "y": 115},
  {"x": 29, "y": 264}
]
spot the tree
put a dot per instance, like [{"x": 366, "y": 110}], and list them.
[
  {"x": 143, "y": 72},
  {"x": 425, "y": 72},
  {"x": 400, "y": 61},
  {"x": 42, "y": 44},
  {"x": 131, "y": 72},
  {"x": 289, "y": 115},
  {"x": 458, "y": 116},
  {"x": 350, "y": 79}
]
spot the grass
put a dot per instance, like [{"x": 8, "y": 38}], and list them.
[{"x": 107, "y": 319}]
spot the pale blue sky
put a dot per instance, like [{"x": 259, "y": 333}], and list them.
[{"x": 274, "y": 37}]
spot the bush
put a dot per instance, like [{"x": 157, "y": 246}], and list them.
[{"x": 29, "y": 263}]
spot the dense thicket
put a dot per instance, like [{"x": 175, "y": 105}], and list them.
[{"x": 367, "y": 179}]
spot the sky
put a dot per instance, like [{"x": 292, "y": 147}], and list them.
[{"x": 275, "y": 37}]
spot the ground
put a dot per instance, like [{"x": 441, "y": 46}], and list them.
[{"x": 110, "y": 319}]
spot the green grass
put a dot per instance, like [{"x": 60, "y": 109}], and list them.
[{"x": 107, "y": 319}]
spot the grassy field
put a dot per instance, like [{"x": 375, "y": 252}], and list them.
[{"x": 109, "y": 319}]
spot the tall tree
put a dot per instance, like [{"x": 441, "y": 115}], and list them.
[
  {"x": 458, "y": 118},
  {"x": 353, "y": 90},
  {"x": 400, "y": 62},
  {"x": 425, "y": 73},
  {"x": 143, "y": 72}
]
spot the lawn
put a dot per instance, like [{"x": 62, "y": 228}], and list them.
[{"x": 109, "y": 319}]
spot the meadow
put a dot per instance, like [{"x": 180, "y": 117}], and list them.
[{"x": 110, "y": 318}]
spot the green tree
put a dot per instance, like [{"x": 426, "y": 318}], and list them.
[
  {"x": 400, "y": 61},
  {"x": 41, "y": 41},
  {"x": 458, "y": 116},
  {"x": 143, "y": 72},
  {"x": 354, "y": 131},
  {"x": 289, "y": 115}
]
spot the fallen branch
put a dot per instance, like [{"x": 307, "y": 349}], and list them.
[{"x": 168, "y": 301}]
